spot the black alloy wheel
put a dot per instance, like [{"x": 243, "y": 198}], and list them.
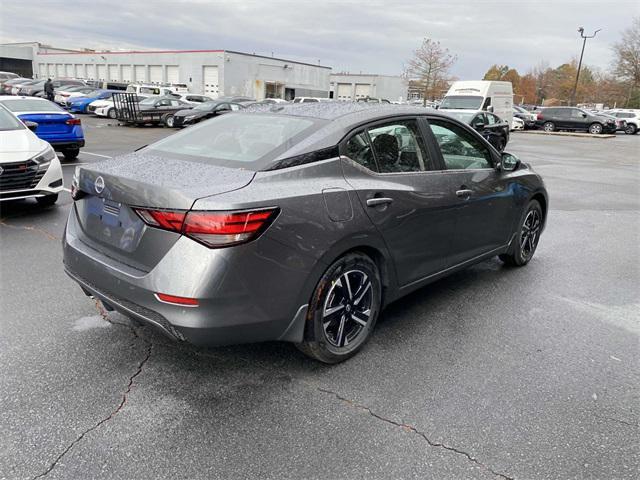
[{"x": 524, "y": 245}]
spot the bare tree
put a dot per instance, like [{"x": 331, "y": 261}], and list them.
[
  {"x": 626, "y": 61},
  {"x": 429, "y": 68}
]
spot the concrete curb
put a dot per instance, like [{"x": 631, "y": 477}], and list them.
[{"x": 568, "y": 134}]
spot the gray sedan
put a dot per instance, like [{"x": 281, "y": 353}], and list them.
[{"x": 297, "y": 223}]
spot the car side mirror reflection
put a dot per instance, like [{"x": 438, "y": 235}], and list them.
[
  {"x": 509, "y": 162},
  {"x": 478, "y": 125},
  {"x": 33, "y": 126}
]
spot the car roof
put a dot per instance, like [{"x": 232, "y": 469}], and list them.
[{"x": 47, "y": 106}]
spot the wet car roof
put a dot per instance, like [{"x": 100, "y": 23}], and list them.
[{"x": 334, "y": 110}]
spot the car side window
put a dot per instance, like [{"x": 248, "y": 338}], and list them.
[
  {"x": 359, "y": 150},
  {"x": 222, "y": 107},
  {"x": 460, "y": 149},
  {"x": 492, "y": 119},
  {"x": 234, "y": 106},
  {"x": 163, "y": 103},
  {"x": 399, "y": 147},
  {"x": 577, "y": 114},
  {"x": 478, "y": 120}
]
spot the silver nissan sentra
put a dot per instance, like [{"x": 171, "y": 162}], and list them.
[{"x": 296, "y": 223}]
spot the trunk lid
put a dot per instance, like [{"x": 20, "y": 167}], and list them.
[
  {"x": 49, "y": 123},
  {"x": 110, "y": 225}
]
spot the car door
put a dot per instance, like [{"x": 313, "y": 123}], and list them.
[
  {"x": 579, "y": 119},
  {"x": 404, "y": 193},
  {"x": 485, "y": 197}
]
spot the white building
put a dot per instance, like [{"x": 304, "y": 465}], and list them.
[
  {"x": 349, "y": 87},
  {"x": 212, "y": 72}
]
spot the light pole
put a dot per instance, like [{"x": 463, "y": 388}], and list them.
[{"x": 584, "y": 43}]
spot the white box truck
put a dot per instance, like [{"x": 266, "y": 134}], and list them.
[{"x": 479, "y": 95}]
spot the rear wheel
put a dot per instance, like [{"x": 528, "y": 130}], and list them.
[
  {"x": 112, "y": 113},
  {"x": 343, "y": 309},
  {"x": 595, "y": 129},
  {"x": 48, "y": 200},
  {"x": 526, "y": 241},
  {"x": 630, "y": 129},
  {"x": 168, "y": 121},
  {"x": 549, "y": 126},
  {"x": 71, "y": 153}
]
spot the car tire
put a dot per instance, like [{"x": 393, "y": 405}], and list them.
[
  {"x": 630, "y": 129},
  {"x": 71, "y": 153},
  {"x": 47, "y": 200},
  {"x": 549, "y": 127},
  {"x": 526, "y": 241},
  {"x": 351, "y": 286},
  {"x": 168, "y": 121},
  {"x": 595, "y": 128},
  {"x": 112, "y": 113}
]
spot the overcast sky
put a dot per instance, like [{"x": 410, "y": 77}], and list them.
[{"x": 368, "y": 36}]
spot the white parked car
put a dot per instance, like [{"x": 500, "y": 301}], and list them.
[
  {"x": 62, "y": 96},
  {"x": 106, "y": 108},
  {"x": 517, "y": 124},
  {"x": 29, "y": 168},
  {"x": 192, "y": 98},
  {"x": 630, "y": 116}
]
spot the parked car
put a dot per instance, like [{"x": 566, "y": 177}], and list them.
[
  {"x": 573, "y": 119},
  {"x": 631, "y": 118},
  {"x": 183, "y": 118},
  {"x": 161, "y": 109},
  {"x": 372, "y": 100},
  {"x": 65, "y": 93},
  {"x": 15, "y": 89},
  {"x": 192, "y": 98},
  {"x": 490, "y": 126},
  {"x": 517, "y": 124},
  {"x": 155, "y": 90},
  {"x": 528, "y": 118},
  {"x": 29, "y": 168},
  {"x": 310, "y": 100},
  {"x": 7, "y": 85},
  {"x": 293, "y": 224},
  {"x": 80, "y": 104},
  {"x": 56, "y": 126},
  {"x": 8, "y": 76},
  {"x": 63, "y": 85},
  {"x": 621, "y": 125},
  {"x": 272, "y": 101},
  {"x": 106, "y": 107}
]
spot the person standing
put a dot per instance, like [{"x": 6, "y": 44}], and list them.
[{"x": 48, "y": 89}]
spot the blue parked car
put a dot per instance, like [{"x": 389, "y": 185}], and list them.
[
  {"x": 80, "y": 104},
  {"x": 56, "y": 126}
]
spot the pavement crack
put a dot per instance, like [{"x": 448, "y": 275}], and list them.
[
  {"x": 123, "y": 400},
  {"x": 30, "y": 228},
  {"x": 412, "y": 429}
]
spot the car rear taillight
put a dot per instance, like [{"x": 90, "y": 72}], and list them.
[
  {"x": 539, "y": 116},
  {"x": 73, "y": 121},
  {"x": 213, "y": 229}
]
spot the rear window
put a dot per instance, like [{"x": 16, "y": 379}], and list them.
[
  {"x": 31, "y": 105},
  {"x": 248, "y": 141}
]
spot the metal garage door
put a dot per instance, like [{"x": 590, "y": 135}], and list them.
[
  {"x": 344, "y": 91},
  {"x": 210, "y": 76},
  {"x": 139, "y": 73},
  {"x": 114, "y": 75},
  {"x": 155, "y": 73},
  {"x": 91, "y": 71},
  {"x": 43, "y": 70},
  {"x": 68, "y": 70},
  {"x": 79, "y": 71},
  {"x": 126, "y": 73},
  {"x": 59, "y": 70},
  {"x": 102, "y": 72},
  {"x": 362, "y": 90},
  {"x": 173, "y": 74}
]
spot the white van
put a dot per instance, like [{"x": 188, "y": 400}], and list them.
[
  {"x": 160, "y": 90},
  {"x": 477, "y": 95}
]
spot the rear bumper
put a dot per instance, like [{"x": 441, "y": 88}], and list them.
[
  {"x": 243, "y": 297},
  {"x": 62, "y": 144}
]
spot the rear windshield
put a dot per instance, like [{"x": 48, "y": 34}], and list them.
[
  {"x": 8, "y": 121},
  {"x": 461, "y": 102},
  {"x": 248, "y": 140},
  {"x": 30, "y": 105}
]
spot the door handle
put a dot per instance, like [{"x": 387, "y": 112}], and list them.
[
  {"x": 464, "y": 193},
  {"x": 374, "y": 202}
]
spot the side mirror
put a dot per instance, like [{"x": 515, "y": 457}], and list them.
[
  {"x": 478, "y": 125},
  {"x": 584, "y": 115},
  {"x": 490, "y": 108},
  {"x": 509, "y": 162},
  {"x": 33, "y": 126}
]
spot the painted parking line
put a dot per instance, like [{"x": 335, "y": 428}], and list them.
[
  {"x": 96, "y": 154},
  {"x": 73, "y": 164},
  {"x": 66, "y": 189}
]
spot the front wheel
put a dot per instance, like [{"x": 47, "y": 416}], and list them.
[
  {"x": 112, "y": 113},
  {"x": 71, "y": 153},
  {"x": 549, "y": 126},
  {"x": 526, "y": 241},
  {"x": 168, "y": 121},
  {"x": 630, "y": 129},
  {"x": 343, "y": 309},
  {"x": 595, "y": 129}
]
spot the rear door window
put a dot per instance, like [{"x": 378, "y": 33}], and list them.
[
  {"x": 460, "y": 149},
  {"x": 399, "y": 147}
]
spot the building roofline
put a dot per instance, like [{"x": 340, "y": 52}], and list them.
[
  {"x": 342, "y": 74},
  {"x": 127, "y": 52}
]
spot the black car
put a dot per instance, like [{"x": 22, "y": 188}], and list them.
[
  {"x": 490, "y": 126},
  {"x": 161, "y": 109},
  {"x": 527, "y": 117},
  {"x": 574, "y": 119},
  {"x": 182, "y": 118}
]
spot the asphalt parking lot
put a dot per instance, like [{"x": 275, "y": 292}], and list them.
[{"x": 494, "y": 372}]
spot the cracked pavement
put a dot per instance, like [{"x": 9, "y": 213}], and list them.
[{"x": 491, "y": 373}]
